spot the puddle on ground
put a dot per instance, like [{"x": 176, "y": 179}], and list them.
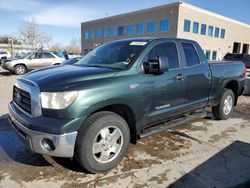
[{"x": 224, "y": 134}]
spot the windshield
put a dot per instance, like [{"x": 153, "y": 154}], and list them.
[
  {"x": 117, "y": 55},
  {"x": 24, "y": 55}
]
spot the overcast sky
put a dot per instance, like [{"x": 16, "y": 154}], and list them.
[{"x": 62, "y": 18}]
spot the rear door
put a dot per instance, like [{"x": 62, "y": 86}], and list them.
[
  {"x": 48, "y": 59},
  {"x": 169, "y": 88},
  {"x": 197, "y": 78}
]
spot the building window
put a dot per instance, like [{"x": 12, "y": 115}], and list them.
[
  {"x": 214, "y": 55},
  {"x": 203, "y": 29},
  {"x": 222, "y": 33},
  {"x": 140, "y": 28},
  {"x": 92, "y": 34},
  {"x": 164, "y": 25},
  {"x": 208, "y": 54},
  {"x": 105, "y": 33},
  {"x": 120, "y": 30},
  {"x": 210, "y": 31},
  {"x": 98, "y": 33},
  {"x": 130, "y": 29},
  {"x": 186, "y": 26},
  {"x": 86, "y": 35},
  {"x": 151, "y": 26},
  {"x": 195, "y": 27},
  {"x": 112, "y": 31},
  {"x": 216, "y": 32}
]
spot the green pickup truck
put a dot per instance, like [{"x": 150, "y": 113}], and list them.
[{"x": 118, "y": 93}]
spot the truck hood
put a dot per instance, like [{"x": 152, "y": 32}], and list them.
[{"x": 59, "y": 78}]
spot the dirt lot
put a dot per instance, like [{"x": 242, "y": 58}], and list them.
[{"x": 203, "y": 153}]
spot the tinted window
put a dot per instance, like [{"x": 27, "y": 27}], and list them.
[
  {"x": 86, "y": 35},
  {"x": 112, "y": 31},
  {"x": 164, "y": 25},
  {"x": 190, "y": 54},
  {"x": 210, "y": 30},
  {"x": 120, "y": 30},
  {"x": 130, "y": 29},
  {"x": 203, "y": 29},
  {"x": 222, "y": 33},
  {"x": 167, "y": 49},
  {"x": 98, "y": 33},
  {"x": 216, "y": 32},
  {"x": 140, "y": 28},
  {"x": 151, "y": 27},
  {"x": 195, "y": 27},
  {"x": 47, "y": 55},
  {"x": 186, "y": 25},
  {"x": 105, "y": 33}
]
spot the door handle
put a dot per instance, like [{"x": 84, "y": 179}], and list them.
[{"x": 180, "y": 77}]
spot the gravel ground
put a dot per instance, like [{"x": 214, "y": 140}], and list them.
[{"x": 202, "y": 153}]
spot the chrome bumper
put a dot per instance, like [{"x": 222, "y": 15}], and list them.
[{"x": 64, "y": 144}]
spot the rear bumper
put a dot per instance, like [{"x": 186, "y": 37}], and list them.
[{"x": 60, "y": 145}]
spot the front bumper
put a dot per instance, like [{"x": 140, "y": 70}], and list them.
[{"x": 63, "y": 144}]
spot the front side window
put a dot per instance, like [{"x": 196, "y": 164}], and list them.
[
  {"x": 98, "y": 33},
  {"x": 203, "y": 29},
  {"x": 112, "y": 31},
  {"x": 164, "y": 25},
  {"x": 222, "y": 34},
  {"x": 130, "y": 29},
  {"x": 116, "y": 55},
  {"x": 151, "y": 27},
  {"x": 210, "y": 31},
  {"x": 216, "y": 32},
  {"x": 166, "y": 49},
  {"x": 186, "y": 26},
  {"x": 86, "y": 35},
  {"x": 190, "y": 54},
  {"x": 140, "y": 28},
  {"x": 105, "y": 33},
  {"x": 120, "y": 30},
  {"x": 195, "y": 27},
  {"x": 47, "y": 55}
]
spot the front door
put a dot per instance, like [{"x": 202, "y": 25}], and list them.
[{"x": 169, "y": 87}]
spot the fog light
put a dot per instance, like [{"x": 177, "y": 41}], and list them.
[{"x": 48, "y": 144}]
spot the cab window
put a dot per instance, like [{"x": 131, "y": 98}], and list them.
[
  {"x": 166, "y": 49},
  {"x": 190, "y": 54}
]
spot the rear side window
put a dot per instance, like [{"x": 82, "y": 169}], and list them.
[
  {"x": 190, "y": 54},
  {"x": 166, "y": 49},
  {"x": 47, "y": 55},
  {"x": 233, "y": 57}
]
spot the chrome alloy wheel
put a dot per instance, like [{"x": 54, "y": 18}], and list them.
[
  {"x": 228, "y": 104},
  {"x": 107, "y": 144},
  {"x": 20, "y": 70}
]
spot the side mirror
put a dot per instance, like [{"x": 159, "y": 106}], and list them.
[
  {"x": 156, "y": 66},
  {"x": 29, "y": 57}
]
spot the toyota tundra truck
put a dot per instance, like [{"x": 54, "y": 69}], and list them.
[{"x": 118, "y": 93}]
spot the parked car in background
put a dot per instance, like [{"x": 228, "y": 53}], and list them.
[
  {"x": 4, "y": 56},
  {"x": 117, "y": 93},
  {"x": 30, "y": 61},
  {"x": 62, "y": 54},
  {"x": 72, "y": 61},
  {"x": 245, "y": 58}
]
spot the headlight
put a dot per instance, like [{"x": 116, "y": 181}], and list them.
[{"x": 58, "y": 100}]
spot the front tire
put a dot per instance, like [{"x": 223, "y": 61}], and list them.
[
  {"x": 102, "y": 142},
  {"x": 20, "y": 69},
  {"x": 223, "y": 110}
]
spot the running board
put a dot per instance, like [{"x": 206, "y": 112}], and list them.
[{"x": 172, "y": 123}]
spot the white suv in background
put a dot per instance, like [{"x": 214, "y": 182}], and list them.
[
  {"x": 32, "y": 60},
  {"x": 4, "y": 55}
]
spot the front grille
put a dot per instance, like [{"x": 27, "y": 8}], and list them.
[{"x": 22, "y": 99}]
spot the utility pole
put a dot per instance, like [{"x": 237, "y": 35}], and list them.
[{"x": 12, "y": 47}]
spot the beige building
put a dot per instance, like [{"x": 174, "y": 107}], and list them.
[{"x": 216, "y": 34}]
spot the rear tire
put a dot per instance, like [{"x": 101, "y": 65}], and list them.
[
  {"x": 20, "y": 69},
  {"x": 102, "y": 142},
  {"x": 224, "y": 108}
]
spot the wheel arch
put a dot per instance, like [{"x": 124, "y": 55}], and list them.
[{"x": 233, "y": 85}]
